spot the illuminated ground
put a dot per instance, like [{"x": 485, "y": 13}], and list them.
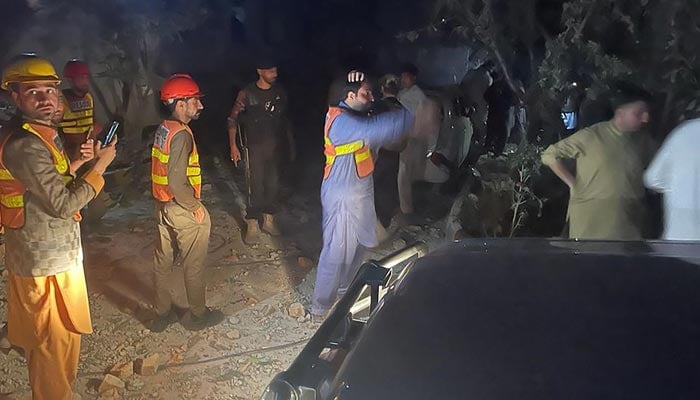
[{"x": 254, "y": 286}]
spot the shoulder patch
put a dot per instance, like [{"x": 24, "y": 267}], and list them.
[
  {"x": 161, "y": 136},
  {"x": 80, "y": 105}
]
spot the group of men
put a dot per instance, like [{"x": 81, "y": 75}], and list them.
[
  {"x": 51, "y": 167},
  {"x": 615, "y": 160},
  {"x": 47, "y": 177}
]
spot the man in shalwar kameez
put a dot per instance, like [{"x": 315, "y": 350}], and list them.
[
  {"x": 40, "y": 195},
  {"x": 607, "y": 193},
  {"x": 347, "y": 191}
]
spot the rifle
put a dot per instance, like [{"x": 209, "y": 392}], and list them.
[{"x": 242, "y": 143}]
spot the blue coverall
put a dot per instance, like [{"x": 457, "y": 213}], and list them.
[{"x": 349, "y": 219}]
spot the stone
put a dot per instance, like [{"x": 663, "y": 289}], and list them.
[
  {"x": 110, "y": 382},
  {"x": 234, "y": 320},
  {"x": 14, "y": 353},
  {"x": 233, "y": 334},
  {"x": 399, "y": 244},
  {"x": 305, "y": 263},
  {"x": 5, "y": 344},
  {"x": 123, "y": 370},
  {"x": 135, "y": 385},
  {"x": 296, "y": 310},
  {"x": 147, "y": 366}
]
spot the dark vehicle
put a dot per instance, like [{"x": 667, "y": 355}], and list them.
[{"x": 512, "y": 319}]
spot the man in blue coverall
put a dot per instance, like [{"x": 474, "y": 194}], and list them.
[{"x": 347, "y": 191}]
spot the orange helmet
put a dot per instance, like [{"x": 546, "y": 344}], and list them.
[
  {"x": 75, "y": 68},
  {"x": 179, "y": 86}
]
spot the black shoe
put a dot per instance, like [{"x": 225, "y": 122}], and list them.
[
  {"x": 162, "y": 322},
  {"x": 207, "y": 320}
]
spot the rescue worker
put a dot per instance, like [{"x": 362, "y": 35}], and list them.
[
  {"x": 77, "y": 126},
  {"x": 607, "y": 194},
  {"x": 39, "y": 204},
  {"x": 183, "y": 221},
  {"x": 78, "y": 123},
  {"x": 261, "y": 110},
  {"x": 347, "y": 191}
]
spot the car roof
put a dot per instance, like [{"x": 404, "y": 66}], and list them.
[{"x": 535, "y": 319}]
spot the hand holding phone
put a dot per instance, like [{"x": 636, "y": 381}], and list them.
[{"x": 111, "y": 133}]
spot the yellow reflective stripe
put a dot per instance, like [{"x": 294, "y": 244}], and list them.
[
  {"x": 78, "y": 121},
  {"x": 194, "y": 159},
  {"x": 75, "y": 131},
  {"x": 362, "y": 155},
  {"x": 5, "y": 175},
  {"x": 327, "y": 140},
  {"x": 162, "y": 157},
  {"x": 159, "y": 179},
  {"x": 69, "y": 114},
  {"x": 348, "y": 148},
  {"x": 61, "y": 162},
  {"x": 12, "y": 201},
  {"x": 195, "y": 180},
  {"x": 193, "y": 171}
]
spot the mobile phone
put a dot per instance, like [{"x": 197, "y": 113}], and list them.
[{"x": 110, "y": 133}]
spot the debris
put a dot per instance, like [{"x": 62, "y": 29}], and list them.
[
  {"x": 111, "y": 382},
  {"x": 232, "y": 258},
  {"x": 147, "y": 366},
  {"x": 135, "y": 385},
  {"x": 233, "y": 334},
  {"x": 305, "y": 263},
  {"x": 4, "y": 343},
  {"x": 123, "y": 370},
  {"x": 267, "y": 310},
  {"x": 296, "y": 310},
  {"x": 111, "y": 394},
  {"x": 399, "y": 244},
  {"x": 234, "y": 320}
]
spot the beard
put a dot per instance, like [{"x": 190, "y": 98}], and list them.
[{"x": 44, "y": 114}]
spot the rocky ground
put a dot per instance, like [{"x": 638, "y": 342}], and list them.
[{"x": 263, "y": 289}]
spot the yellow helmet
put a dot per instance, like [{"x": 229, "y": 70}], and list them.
[{"x": 29, "y": 69}]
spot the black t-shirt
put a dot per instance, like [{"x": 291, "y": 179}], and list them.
[
  {"x": 386, "y": 104},
  {"x": 264, "y": 118}
]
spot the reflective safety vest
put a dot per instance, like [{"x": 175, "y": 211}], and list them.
[
  {"x": 363, "y": 156},
  {"x": 77, "y": 114},
  {"x": 12, "y": 191},
  {"x": 160, "y": 155}
]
